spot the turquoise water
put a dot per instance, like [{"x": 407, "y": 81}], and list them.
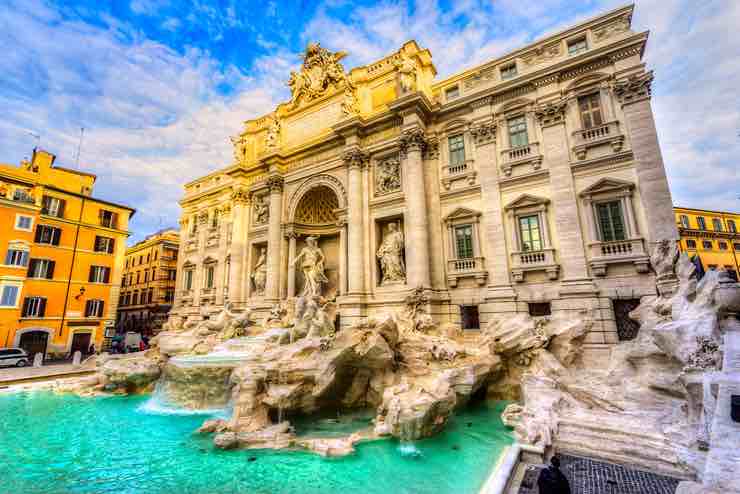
[{"x": 65, "y": 444}]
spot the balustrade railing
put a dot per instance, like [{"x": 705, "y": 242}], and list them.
[{"x": 470, "y": 264}]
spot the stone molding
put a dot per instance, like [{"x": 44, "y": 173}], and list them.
[
  {"x": 551, "y": 113},
  {"x": 356, "y": 157},
  {"x": 634, "y": 89},
  {"x": 275, "y": 183},
  {"x": 483, "y": 133},
  {"x": 241, "y": 196},
  {"x": 412, "y": 140}
]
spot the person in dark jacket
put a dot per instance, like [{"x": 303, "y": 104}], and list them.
[{"x": 552, "y": 480}]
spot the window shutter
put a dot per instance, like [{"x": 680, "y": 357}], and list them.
[
  {"x": 91, "y": 276},
  {"x": 37, "y": 237},
  {"x": 111, "y": 244},
  {"x": 24, "y": 311},
  {"x": 62, "y": 203},
  {"x": 31, "y": 266},
  {"x": 114, "y": 220},
  {"x": 42, "y": 307},
  {"x": 106, "y": 275},
  {"x": 50, "y": 270},
  {"x": 24, "y": 258},
  {"x": 87, "y": 308},
  {"x": 56, "y": 234},
  {"x": 100, "y": 308},
  {"x": 8, "y": 256}
]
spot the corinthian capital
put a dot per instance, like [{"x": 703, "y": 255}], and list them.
[
  {"x": 355, "y": 157},
  {"x": 412, "y": 140},
  {"x": 240, "y": 196},
  {"x": 635, "y": 88},
  {"x": 275, "y": 183}
]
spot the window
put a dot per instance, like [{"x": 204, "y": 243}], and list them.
[
  {"x": 147, "y": 258},
  {"x": 457, "y": 150},
  {"x": 46, "y": 234},
  {"x": 138, "y": 277},
  {"x": 94, "y": 308},
  {"x": 469, "y": 317},
  {"x": 464, "y": 241},
  {"x": 16, "y": 257},
  {"x": 731, "y": 226},
  {"x": 127, "y": 262},
  {"x": 135, "y": 298},
  {"x": 577, "y": 46},
  {"x": 707, "y": 244},
  {"x": 108, "y": 219},
  {"x": 210, "y": 272},
  {"x": 149, "y": 296},
  {"x": 146, "y": 276},
  {"x": 529, "y": 229},
  {"x": 172, "y": 274},
  {"x": 539, "y": 309},
  {"x": 104, "y": 244},
  {"x": 155, "y": 255},
  {"x": 731, "y": 271},
  {"x": 684, "y": 221},
  {"x": 717, "y": 224},
  {"x": 736, "y": 247},
  {"x": 141, "y": 260},
  {"x": 214, "y": 221},
  {"x": 518, "y": 132},
  {"x": 691, "y": 244},
  {"x": 188, "y": 282},
  {"x": 611, "y": 221},
  {"x": 9, "y": 295},
  {"x": 590, "y": 108},
  {"x": 169, "y": 296},
  {"x": 41, "y": 268},
  {"x": 23, "y": 195},
  {"x": 52, "y": 206},
  {"x": 508, "y": 72},
  {"x": 23, "y": 222},
  {"x": 154, "y": 272},
  {"x": 99, "y": 274},
  {"x": 452, "y": 92},
  {"x": 701, "y": 223},
  {"x": 33, "y": 307},
  {"x": 627, "y": 328},
  {"x": 722, "y": 245}
]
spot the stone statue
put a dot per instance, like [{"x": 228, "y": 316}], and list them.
[
  {"x": 312, "y": 262},
  {"x": 406, "y": 74},
  {"x": 259, "y": 275},
  {"x": 272, "y": 139},
  {"x": 261, "y": 210},
  {"x": 240, "y": 148},
  {"x": 388, "y": 177},
  {"x": 350, "y": 105},
  {"x": 390, "y": 254}
]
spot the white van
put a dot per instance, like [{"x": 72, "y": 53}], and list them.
[{"x": 16, "y": 357}]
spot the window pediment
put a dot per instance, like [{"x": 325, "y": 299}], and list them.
[
  {"x": 188, "y": 264},
  {"x": 518, "y": 104},
  {"x": 526, "y": 201},
  {"x": 608, "y": 185},
  {"x": 456, "y": 125},
  {"x": 461, "y": 213},
  {"x": 587, "y": 82}
]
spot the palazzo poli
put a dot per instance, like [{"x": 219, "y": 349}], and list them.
[{"x": 531, "y": 183}]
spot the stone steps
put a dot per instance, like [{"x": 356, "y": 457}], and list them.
[{"x": 613, "y": 442}]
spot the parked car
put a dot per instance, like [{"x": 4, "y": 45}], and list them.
[{"x": 13, "y": 357}]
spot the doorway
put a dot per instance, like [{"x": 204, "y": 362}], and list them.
[
  {"x": 34, "y": 342},
  {"x": 81, "y": 342}
]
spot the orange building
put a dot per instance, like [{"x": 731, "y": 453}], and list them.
[
  {"x": 63, "y": 258},
  {"x": 713, "y": 237}
]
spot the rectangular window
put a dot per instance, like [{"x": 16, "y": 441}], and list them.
[
  {"x": 16, "y": 257},
  {"x": 41, "y": 268},
  {"x": 508, "y": 71},
  {"x": 469, "y": 317},
  {"x": 691, "y": 244},
  {"x": 452, "y": 92},
  {"x": 736, "y": 247},
  {"x": 457, "y": 150},
  {"x": 611, "y": 222},
  {"x": 23, "y": 195},
  {"x": 707, "y": 244},
  {"x": 34, "y": 307},
  {"x": 518, "y": 132},
  {"x": 94, "y": 308},
  {"x": 108, "y": 219},
  {"x": 149, "y": 296},
  {"x": 731, "y": 226},
  {"x": 104, "y": 244},
  {"x": 577, "y": 46},
  {"x": 52, "y": 206},
  {"x": 24, "y": 223},
  {"x": 722, "y": 245},
  {"x": 146, "y": 276},
  {"x": 135, "y": 298},
  {"x": 590, "y": 108},
  {"x": 188, "y": 279},
  {"x": 464, "y": 241},
  {"x": 731, "y": 271},
  {"x": 529, "y": 230},
  {"x": 701, "y": 223},
  {"x": 539, "y": 309},
  {"x": 155, "y": 255},
  {"x": 99, "y": 274},
  {"x": 46, "y": 234},
  {"x": 210, "y": 271},
  {"x": 147, "y": 258},
  {"x": 717, "y": 224},
  {"x": 9, "y": 296},
  {"x": 684, "y": 221}
]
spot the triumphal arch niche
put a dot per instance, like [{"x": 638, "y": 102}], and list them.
[{"x": 515, "y": 186}]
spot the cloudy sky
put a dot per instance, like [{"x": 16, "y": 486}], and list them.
[{"x": 159, "y": 85}]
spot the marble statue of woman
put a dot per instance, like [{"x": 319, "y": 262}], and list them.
[
  {"x": 312, "y": 262},
  {"x": 390, "y": 255},
  {"x": 259, "y": 276}
]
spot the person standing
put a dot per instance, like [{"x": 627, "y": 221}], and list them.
[{"x": 552, "y": 480}]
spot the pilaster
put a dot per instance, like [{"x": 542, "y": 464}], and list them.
[
  {"x": 356, "y": 160},
  {"x": 240, "y": 206},
  {"x": 274, "y": 238}
]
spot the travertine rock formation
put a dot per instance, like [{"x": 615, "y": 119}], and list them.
[{"x": 130, "y": 374}]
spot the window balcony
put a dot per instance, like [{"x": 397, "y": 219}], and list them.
[
  {"x": 472, "y": 267},
  {"x": 461, "y": 171},
  {"x": 191, "y": 244},
  {"x": 607, "y": 133},
  {"x": 536, "y": 260},
  {"x": 619, "y": 252},
  {"x": 522, "y": 155}
]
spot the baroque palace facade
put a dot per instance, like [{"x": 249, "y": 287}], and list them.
[
  {"x": 63, "y": 256},
  {"x": 533, "y": 182}
]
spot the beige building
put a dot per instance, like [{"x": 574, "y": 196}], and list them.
[
  {"x": 148, "y": 282},
  {"x": 533, "y": 182}
]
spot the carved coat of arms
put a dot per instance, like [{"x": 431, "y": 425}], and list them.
[{"x": 321, "y": 70}]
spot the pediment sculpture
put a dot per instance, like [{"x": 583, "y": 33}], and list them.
[{"x": 320, "y": 72}]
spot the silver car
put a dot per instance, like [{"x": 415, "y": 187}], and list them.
[{"x": 16, "y": 357}]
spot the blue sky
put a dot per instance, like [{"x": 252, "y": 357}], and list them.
[{"x": 160, "y": 85}]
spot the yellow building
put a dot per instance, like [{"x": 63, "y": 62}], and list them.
[
  {"x": 63, "y": 258},
  {"x": 148, "y": 283},
  {"x": 712, "y": 236}
]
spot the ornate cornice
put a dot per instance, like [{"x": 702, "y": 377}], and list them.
[
  {"x": 240, "y": 196},
  {"x": 551, "y": 113},
  {"x": 356, "y": 157},
  {"x": 483, "y": 133},
  {"x": 634, "y": 89},
  {"x": 275, "y": 183}
]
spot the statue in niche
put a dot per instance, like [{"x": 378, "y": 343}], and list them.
[
  {"x": 261, "y": 210},
  {"x": 388, "y": 176},
  {"x": 259, "y": 275},
  {"x": 312, "y": 262},
  {"x": 390, "y": 255},
  {"x": 406, "y": 74}
]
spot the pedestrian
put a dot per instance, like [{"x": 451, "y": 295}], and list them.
[
  {"x": 91, "y": 350},
  {"x": 552, "y": 480}
]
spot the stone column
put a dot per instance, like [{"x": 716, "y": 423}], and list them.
[
  {"x": 634, "y": 95},
  {"x": 199, "y": 275},
  {"x": 342, "y": 290},
  {"x": 239, "y": 224},
  {"x": 274, "y": 240},
  {"x": 356, "y": 160},
  {"x": 416, "y": 218},
  {"x": 291, "y": 268}
]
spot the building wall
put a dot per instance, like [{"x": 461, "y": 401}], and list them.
[
  {"x": 69, "y": 289},
  {"x": 716, "y": 248}
]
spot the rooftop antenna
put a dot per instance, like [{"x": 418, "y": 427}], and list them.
[
  {"x": 79, "y": 146},
  {"x": 35, "y": 136}
]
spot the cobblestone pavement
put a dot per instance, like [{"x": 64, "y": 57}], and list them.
[
  {"x": 588, "y": 476},
  {"x": 12, "y": 374}
]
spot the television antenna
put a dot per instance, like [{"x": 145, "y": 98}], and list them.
[
  {"x": 79, "y": 146},
  {"x": 35, "y": 136}
]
